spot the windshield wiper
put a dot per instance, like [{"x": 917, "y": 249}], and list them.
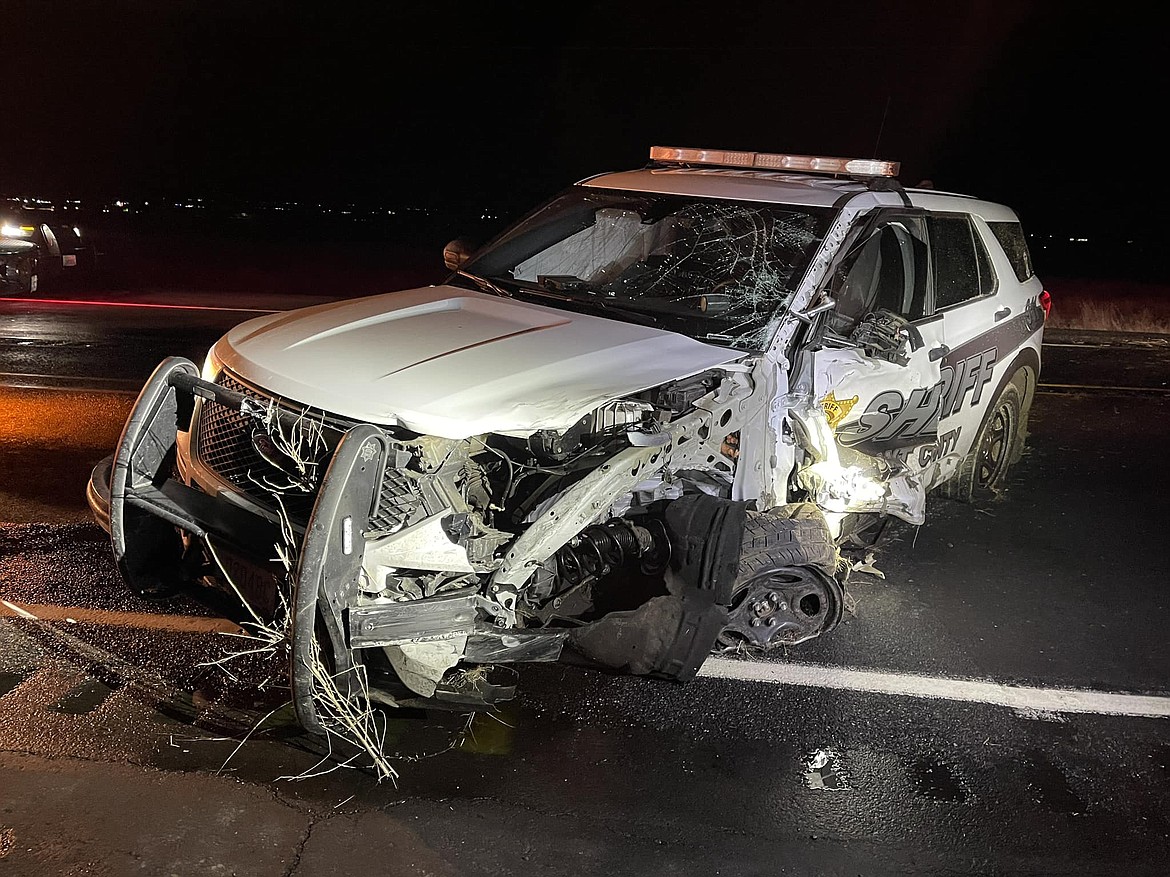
[
  {"x": 485, "y": 284},
  {"x": 589, "y": 296}
]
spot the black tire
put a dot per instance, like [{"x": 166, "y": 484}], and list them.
[
  {"x": 791, "y": 535},
  {"x": 984, "y": 472},
  {"x": 779, "y": 548}
]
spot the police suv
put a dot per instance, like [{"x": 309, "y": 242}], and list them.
[{"x": 632, "y": 429}]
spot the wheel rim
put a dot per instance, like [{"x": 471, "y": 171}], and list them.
[
  {"x": 995, "y": 450},
  {"x": 782, "y": 606}
]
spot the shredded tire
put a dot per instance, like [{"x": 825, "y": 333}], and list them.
[
  {"x": 780, "y": 542},
  {"x": 793, "y": 535}
]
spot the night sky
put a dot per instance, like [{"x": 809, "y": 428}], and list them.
[{"x": 1051, "y": 107}]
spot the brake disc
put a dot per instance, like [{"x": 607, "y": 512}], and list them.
[{"x": 783, "y": 606}]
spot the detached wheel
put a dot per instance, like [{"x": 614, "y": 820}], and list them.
[
  {"x": 791, "y": 535},
  {"x": 984, "y": 472},
  {"x": 786, "y": 591}
]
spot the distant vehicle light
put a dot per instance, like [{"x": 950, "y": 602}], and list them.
[
  {"x": 77, "y": 231},
  {"x": 817, "y": 164},
  {"x": 16, "y": 231}
]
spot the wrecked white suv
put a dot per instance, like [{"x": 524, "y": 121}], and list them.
[{"x": 632, "y": 429}]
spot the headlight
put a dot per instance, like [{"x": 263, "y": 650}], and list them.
[
  {"x": 16, "y": 231},
  {"x": 211, "y": 368}
]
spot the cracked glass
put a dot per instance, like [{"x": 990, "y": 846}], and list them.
[{"x": 719, "y": 271}]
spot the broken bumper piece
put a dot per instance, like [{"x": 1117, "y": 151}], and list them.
[{"x": 380, "y": 650}]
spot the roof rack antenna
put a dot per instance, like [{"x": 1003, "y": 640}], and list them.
[{"x": 881, "y": 127}]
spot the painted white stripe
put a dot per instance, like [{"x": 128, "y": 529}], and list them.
[
  {"x": 1053, "y": 700},
  {"x": 1103, "y": 387},
  {"x": 71, "y": 383},
  {"x": 115, "y": 618},
  {"x": 23, "y": 613},
  {"x": 1140, "y": 342}
]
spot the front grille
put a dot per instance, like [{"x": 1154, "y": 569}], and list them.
[
  {"x": 224, "y": 444},
  {"x": 399, "y": 499}
]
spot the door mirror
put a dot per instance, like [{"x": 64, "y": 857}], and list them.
[
  {"x": 715, "y": 303},
  {"x": 458, "y": 253}
]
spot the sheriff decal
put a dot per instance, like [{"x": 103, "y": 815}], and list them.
[{"x": 893, "y": 420}]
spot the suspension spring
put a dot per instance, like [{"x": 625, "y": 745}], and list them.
[{"x": 601, "y": 548}]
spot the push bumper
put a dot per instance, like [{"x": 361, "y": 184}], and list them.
[
  {"x": 97, "y": 492},
  {"x": 134, "y": 497}
]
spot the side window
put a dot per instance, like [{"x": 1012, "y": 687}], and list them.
[
  {"x": 961, "y": 267},
  {"x": 885, "y": 271},
  {"x": 50, "y": 241},
  {"x": 1011, "y": 237}
]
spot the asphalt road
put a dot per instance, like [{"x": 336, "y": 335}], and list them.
[{"x": 997, "y": 703}]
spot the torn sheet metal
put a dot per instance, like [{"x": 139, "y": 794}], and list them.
[
  {"x": 425, "y": 545},
  {"x": 869, "y": 425},
  {"x": 841, "y": 480},
  {"x": 421, "y": 665}
]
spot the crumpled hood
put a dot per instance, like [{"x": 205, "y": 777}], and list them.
[{"x": 450, "y": 362}]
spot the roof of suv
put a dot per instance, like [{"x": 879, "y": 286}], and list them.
[
  {"x": 783, "y": 187},
  {"x": 744, "y": 185}
]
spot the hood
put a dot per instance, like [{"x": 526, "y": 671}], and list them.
[
  {"x": 450, "y": 362},
  {"x": 14, "y": 247}
]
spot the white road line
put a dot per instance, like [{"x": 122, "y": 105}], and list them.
[
  {"x": 1113, "y": 346},
  {"x": 115, "y": 618},
  {"x": 23, "y": 613},
  {"x": 1044, "y": 386},
  {"x": 72, "y": 383},
  {"x": 1051, "y": 700}
]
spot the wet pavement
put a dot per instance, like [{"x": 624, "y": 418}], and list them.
[{"x": 127, "y": 748}]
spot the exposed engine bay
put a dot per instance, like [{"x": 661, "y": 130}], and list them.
[{"x": 499, "y": 548}]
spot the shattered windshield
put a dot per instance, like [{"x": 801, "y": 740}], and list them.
[{"x": 715, "y": 270}]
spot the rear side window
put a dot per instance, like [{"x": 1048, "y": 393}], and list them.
[
  {"x": 961, "y": 267},
  {"x": 1011, "y": 237}
]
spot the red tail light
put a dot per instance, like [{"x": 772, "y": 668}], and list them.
[{"x": 1046, "y": 303}]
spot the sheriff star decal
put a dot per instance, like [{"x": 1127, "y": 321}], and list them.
[{"x": 836, "y": 409}]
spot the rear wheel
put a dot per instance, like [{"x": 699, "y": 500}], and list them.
[{"x": 983, "y": 473}]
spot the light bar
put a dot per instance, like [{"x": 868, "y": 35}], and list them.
[{"x": 817, "y": 164}]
